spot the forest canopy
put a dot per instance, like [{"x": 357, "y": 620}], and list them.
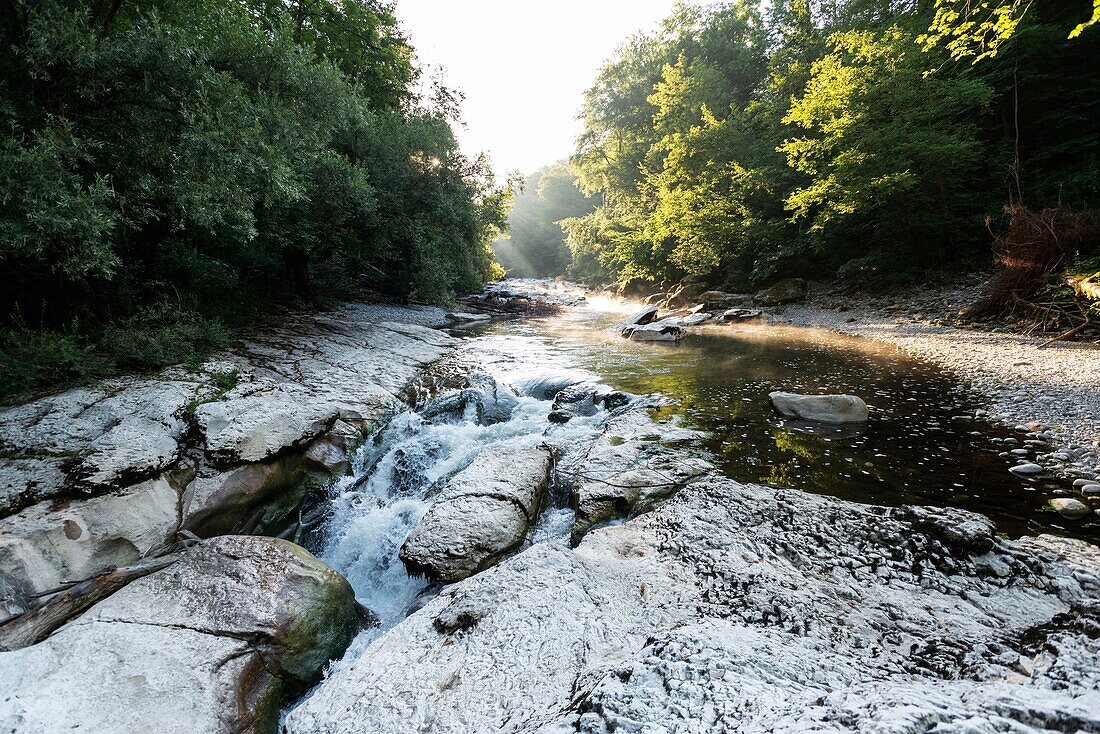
[
  {"x": 171, "y": 168},
  {"x": 873, "y": 140}
]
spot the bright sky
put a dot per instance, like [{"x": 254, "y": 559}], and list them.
[{"x": 523, "y": 66}]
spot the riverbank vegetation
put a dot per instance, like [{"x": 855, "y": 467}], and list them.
[
  {"x": 172, "y": 169},
  {"x": 869, "y": 140}
]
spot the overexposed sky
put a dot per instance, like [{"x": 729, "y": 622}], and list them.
[{"x": 522, "y": 65}]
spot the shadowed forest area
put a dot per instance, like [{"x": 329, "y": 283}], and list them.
[
  {"x": 172, "y": 169},
  {"x": 874, "y": 141}
]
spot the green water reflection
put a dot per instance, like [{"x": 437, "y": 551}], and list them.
[{"x": 917, "y": 447}]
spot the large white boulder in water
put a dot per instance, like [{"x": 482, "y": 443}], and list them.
[
  {"x": 209, "y": 644},
  {"x": 745, "y": 608},
  {"x": 483, "y": 512},
  {"x": 820, "y": 408}
]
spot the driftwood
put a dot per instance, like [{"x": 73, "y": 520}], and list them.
[{"x": 55, "y": 607}]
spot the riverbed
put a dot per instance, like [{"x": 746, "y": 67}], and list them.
[{"x": 927, "y": 441}]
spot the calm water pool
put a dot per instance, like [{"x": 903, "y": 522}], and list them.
[{"x": 921, "y": 445}]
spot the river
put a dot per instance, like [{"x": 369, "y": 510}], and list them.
[{"x": 926, "y": 441}]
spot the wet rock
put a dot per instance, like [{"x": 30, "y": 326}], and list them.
[
  {"x": 656, "y": 332},
  {"x": 742, "y": 608},
  {"x": 482, "y": 513},
  {"x": 642, "y": 316},
  {"x": 788, "y": 290},
  {"x": 820, "y": 408},
  {"x": 546, "y": 386},
  {"x": 210, "y": 644},
  {"x": 45, "y": 545},
  {"x": 255, "y": 498},
  {"x": 1070, "y": 508},
  {"x": 1026, "y": 470},
  {"x": 478, "y": 392},
  {"x": 630, "y": 466}
]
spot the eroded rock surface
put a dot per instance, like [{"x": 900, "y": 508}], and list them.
[
  {"x": 99, "y": 477},
  {"x": 631, "y": 465},
  {"x": 745, "y": 608},
  {"x": 483, "y": 512},
  {"x": 210, "y": 644}
]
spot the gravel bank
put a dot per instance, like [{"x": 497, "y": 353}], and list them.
[{"x": 1052, "y": 393}]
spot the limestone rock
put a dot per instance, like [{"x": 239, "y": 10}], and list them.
[
  {"x": 115, "y": 433},
  {"x": 46, "y": 545},
  {"x": 483, "y": 512},
  {"x": 742, "y": 608},
  {"x": 629, "y": 465},
  {"x": 254, "y": 427},
  {"x": 787, "y": 290},
  {"x": 656, "y": 332},
  {"x": 209, "y": 644},
  {"x": 820, "y": 408}
]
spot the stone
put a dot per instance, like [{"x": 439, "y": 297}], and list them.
[
  {"x": 642, "y": 316},
  {"x": 255, "y": 427},
  {"x": 492, "y": 403},
  {"x": 1090, "y": 490},
  {"x": 44, "y": 545},
  {"x": 788, "y": 290},
  {"x": 481, "y": 514},
  {"x": 695, "y": 319},
  {"x": 740, "y": 314},
  {"x": 1026, "y": 470},
  {"x": 1070, "y": 508},
  {"x": 836, "y": 409},
  {"x": 211, "y": 644},
  {"x": 250, "y": 499},
  {"x": 115, "y": 433},
  {"x": 742, "y": 608},
  {"x": 656, "y": 332},
  {"x": 629, "y": 466},
  {"x": 721, "y": 301}
]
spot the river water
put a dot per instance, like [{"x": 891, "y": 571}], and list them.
[{"x": 921, "y": 445}]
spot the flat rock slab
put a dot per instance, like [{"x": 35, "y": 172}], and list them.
[
  {"x": 734, "y": 608},
  {"x": 835, "y": 409},
  {"x": 206, "y": 645},
  {"x": 482, "y": 512},
  {"x": 631, "y": 464}
]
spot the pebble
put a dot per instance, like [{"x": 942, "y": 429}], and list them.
[
  {"x": 1091, "y": 490},
  {"x": 1024, "y": 470},
  {"x": 1070, "y": 508}
]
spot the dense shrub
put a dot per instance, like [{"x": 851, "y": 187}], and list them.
[{"x": 222, "y": 157}]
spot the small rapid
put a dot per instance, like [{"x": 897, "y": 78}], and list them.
[{"x": 494, "y": 393}]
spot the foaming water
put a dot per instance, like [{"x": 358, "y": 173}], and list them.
[{"x": 399, "y": 471}]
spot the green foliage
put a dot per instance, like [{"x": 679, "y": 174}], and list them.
[
  {"x": 226, "y": 157},
  {"x": 535, "y": 246},
  {"x": 830, "y": 138}
]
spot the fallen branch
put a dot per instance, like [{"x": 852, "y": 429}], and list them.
[{"x": 38, "y": 622}]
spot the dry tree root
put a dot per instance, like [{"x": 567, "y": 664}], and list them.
[{"x": 1034, "y": 247}]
